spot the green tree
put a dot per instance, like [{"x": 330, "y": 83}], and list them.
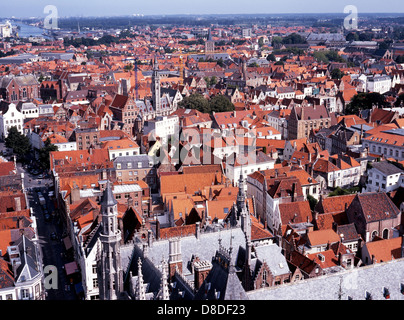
[
  {"x": 276, "y": 40},
  {"x": 294, "y": 38},
  {"x": 271, "y": 57},
  {"x": 44, "y": 161},
  {"x": 213, "y": 80},
  {"x": 352, "y": 37},
  {"x": 365, "y": 37},
  {"x": 320, "y": 57},
  {"x": 336, "y": 74},
  {"x": 385, "y": 44},
  {"x": 18, "y": 142},
  {"x": 338, "y": 192},
  {"x": 363, "y": 101},
  {"x": 312, "y": 201},
  {"x": 195, "y": 101},
  {"x": 220, "y": 103}
]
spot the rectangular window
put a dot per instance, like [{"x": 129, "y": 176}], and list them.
[{"x": 24, "y": 293}]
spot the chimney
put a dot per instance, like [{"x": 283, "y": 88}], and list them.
[
  {"x": 294, "y": 192},
  {"x": 197, "y": 230},
  {"x": 157, "y": 229},
  {"x": 149, "y": 238},
  {"x": 17, "y": 203},
  {"x": 201, "y": 271}
]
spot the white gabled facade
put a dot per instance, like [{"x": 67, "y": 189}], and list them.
[{"x": 10, "y": 118}]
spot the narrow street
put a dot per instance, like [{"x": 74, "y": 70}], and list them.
[{"x": 51, "y": 250}]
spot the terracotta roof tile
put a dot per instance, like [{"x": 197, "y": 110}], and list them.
[
  {"x": 320, "y": 237},
  {"x": 386, "y": 249}
]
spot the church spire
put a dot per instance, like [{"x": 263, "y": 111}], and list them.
[
  {"x": 241, "y": 197},
  {"x": 140, "y": 290},
  {"x": 164, "y": 293},
  {"x": 110, "y": 271},
  {"x": 155, "y": 87}
]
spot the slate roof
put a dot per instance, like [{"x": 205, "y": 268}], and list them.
[
  {"x": 222, "y": 283},
  {"x": 272, "y": 255},
  {"x": 344, "y": 285},
  {"x": 29, "y": 268},
  {"x": 386, "y": 167},
  {"x": 108, "y": 198}
]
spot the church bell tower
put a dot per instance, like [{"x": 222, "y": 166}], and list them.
[
  {"x": 110, "y": 271},
  {"x": 155, "y": 88}
]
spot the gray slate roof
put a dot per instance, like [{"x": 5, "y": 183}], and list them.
[
  {"x": 386, "y": 168},
  {"x": 272, "y": 255},
  {"x": 348, "y": 284}
]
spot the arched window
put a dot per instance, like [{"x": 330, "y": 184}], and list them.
[
  {"x": 374, "y": 234},
  {"x": 264, "y": 278},
  {"x": 385, "y": 234}
]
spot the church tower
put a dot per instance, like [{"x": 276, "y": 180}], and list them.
[
  {"x": 155, "y": 88},
  {"x": 110, "y": 271},
  {"x": 241, "y": 197},
  {"x": 209, "y": 46},
  {"x": 245, "y": 223}
]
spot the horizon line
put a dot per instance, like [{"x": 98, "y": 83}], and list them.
[{"x": 139, "y": 15}]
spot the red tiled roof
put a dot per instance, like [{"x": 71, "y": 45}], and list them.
[
  {"x": 386, "y": 249},
  {"x": 334, "y": 204}
]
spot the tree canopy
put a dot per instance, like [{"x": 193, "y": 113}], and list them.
[
  {"x": 328, "y": 56},
  {"x": 44, "y": 152},
  {"x": 18, "y": 142},
  {"x": 363, "y": 101},
  {"x": 336, "y": 74},
  {"x": 218, "y": 103}
]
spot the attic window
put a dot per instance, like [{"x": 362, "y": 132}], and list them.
[
  {"x": 386, "y": 293},
  {"x": 281, "y": 265}
]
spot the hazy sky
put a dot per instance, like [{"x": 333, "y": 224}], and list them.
[{"x": 27, "y": 8}]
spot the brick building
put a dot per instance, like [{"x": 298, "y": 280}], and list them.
[
  {"x": 374, "y": 214},
  {"x": 304, "y": 119}
]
